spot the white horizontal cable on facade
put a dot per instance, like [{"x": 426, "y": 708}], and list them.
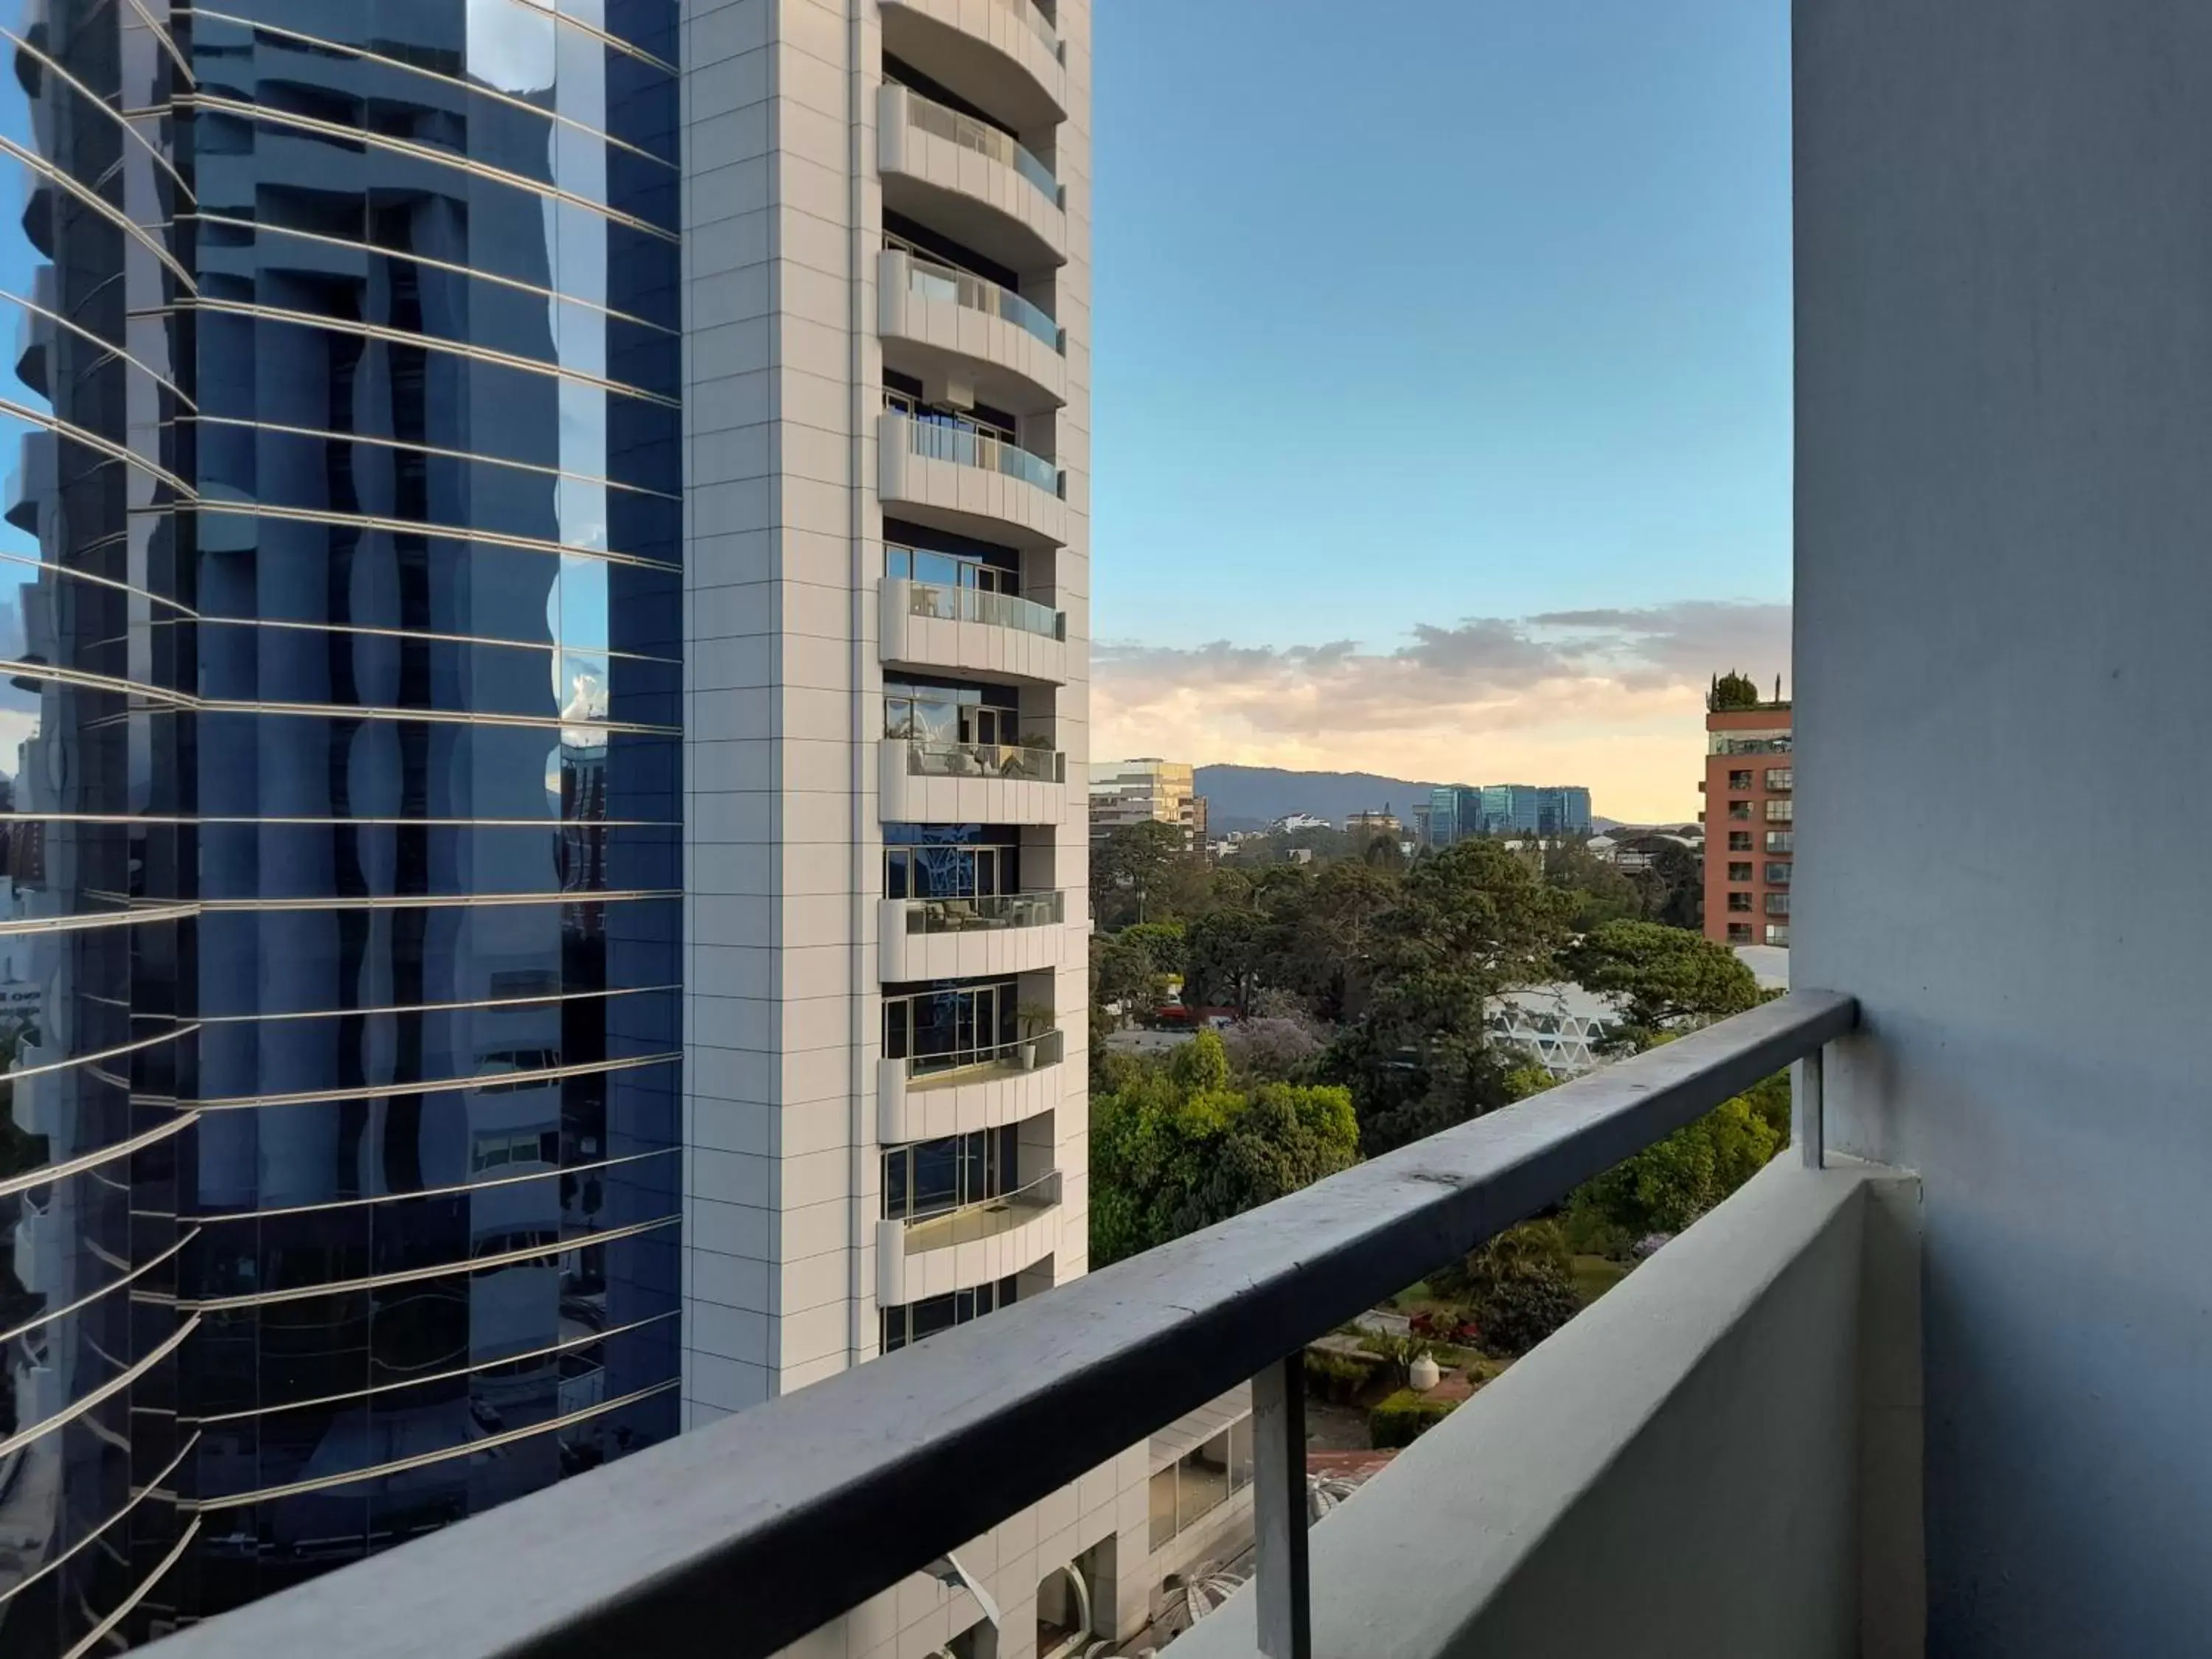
[
  {"x": 91, "y": 440},
  {"x": 260, "y": 227},
  {"x": 438, "y": 1377},
  {"x": 48, "y": 1173},
  {"x": 99, "y": 1632},
  {"x": 543, "y": 647},
  {"x": 86, "y": 334},
  {"x": 423, "y": 1459},
  {"x": 108, "y": 1289},
  {"x": 138, "y": 1496},
  {"x": 107, "y": 1390},
  {"x": 404, "y": 527},
  {"x": 415, "y": 1275},
  {"x": 94, "y": 100},
  {"x": 440, "y": 902},
  {"x": 356, "y": 136},
  {"x": 346, "y": 49},
  {"x": 467, "y": 455},
  {"x": 454, "y": 1191},
  {"x": 502, "y": 1080},
  {"x": 420, "y": 341},
  {"x": 440, "y": 1007},
  {"x": 77, "y": 924},
  {"x": 627, "y": 48},
  {"x": 99, "y": 204},
  {"x": 174, "y": 820},
  {"x": 76, "y": 574},
  {"x": 168, "y": 43}
]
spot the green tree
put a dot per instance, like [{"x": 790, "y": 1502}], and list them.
[
  {"x": 1599, "y": 892},
  {"x": 1174, "y": 1148},
  {"x": 1144, "y": 872},
  {"x": 1665, "y": 1187},
  {"x": 1671, "y": 889},
  {"x": 1470, "y": 922},
  {"x": 1732, "y": 691},
  {"x": 1224, "y": 958},
  {"x": 1519, "y": 1287},
  {"x": 1666, "y": 978}
]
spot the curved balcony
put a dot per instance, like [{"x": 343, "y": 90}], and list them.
[
  {"x": 940, "y": 322},
  {"x": 998, "y": 636},
  {"x": 966, "y": 481},
  {"x": 972, "y": 937},
  {"x": 1000, "y": 53},
  {"x": 996, "y": 1087},
  {"x": 925, "y": 782},
  {"x": 958, "y": 1250},
  {"x": 970, "y": 180}
]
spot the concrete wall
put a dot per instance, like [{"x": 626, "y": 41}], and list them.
[
  {"x": 1716, "y": 1461},
  {"x": 2004, "y": 601}
]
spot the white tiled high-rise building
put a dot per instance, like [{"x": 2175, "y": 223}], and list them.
[{"x": 887, "y": 392}]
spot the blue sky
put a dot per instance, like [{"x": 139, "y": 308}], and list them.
[{"x": 1457, "y": 317}]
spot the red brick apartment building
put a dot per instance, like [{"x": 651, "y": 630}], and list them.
[{"x": 1750, "y": 831}]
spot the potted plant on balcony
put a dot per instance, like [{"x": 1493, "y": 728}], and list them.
[{"x": 1036, "y": 1020}]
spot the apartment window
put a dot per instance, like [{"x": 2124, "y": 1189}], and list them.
[
  {"x": 949, "y": 570},
  {"x": 1776, "y": 934},
  {"x": 1739, "y": 779},
  {"x": 1777, "y": 904},
  {"x": 925, "y": 1318},
  {"x": 1740, "y": 871},
  {"x": 1740, "y": 901},
  {"x": 1778, "y": 875},
  {"x": 1779, "y": 840},
  {"x": 942, "y": 714},
  {"x": 938, "y": 1029},
  {"x": 1781, "y": 777},
  {"x": 932, "y": 1176},
  {"x": 1781, "y": 812},
  {"x": 1740, "y": 840},
  {"x": 950, "y": 860},
  {"x": 1740, "y": 933},
  {"x": 1201, "y": 1480},
  {"x": 1740, "y": 809}
]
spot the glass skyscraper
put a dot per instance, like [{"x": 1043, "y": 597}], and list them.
[{"x": 340, "y": 913}]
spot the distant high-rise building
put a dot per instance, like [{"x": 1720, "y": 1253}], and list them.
[
  {"x": 1457, "y": 811},
  {"x": 1147, "y": 791},
  {"x": 1750, "y": 828}
]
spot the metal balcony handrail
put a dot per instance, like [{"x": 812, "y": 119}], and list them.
[
  {"x": 985, "y": 1218},
  {"x": 744, "y": 1536},
  {"x": 932, "y": 279},
  {"x": 945, "y": 438},
  {"x": 951, "y": 603},
  {"x": 1023, "y": 1053},
  {"x": 1021, "y": 761},
  {"x": 931, "y": 117},
  {"x": 984, "y": 912}
]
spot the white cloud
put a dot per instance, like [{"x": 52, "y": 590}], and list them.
[{"x": 1612, "y": 698}]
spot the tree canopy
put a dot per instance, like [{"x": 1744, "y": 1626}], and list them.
[
  {"x": 1666, "y": 977},
  {"x": 1174, "y": 1147}
]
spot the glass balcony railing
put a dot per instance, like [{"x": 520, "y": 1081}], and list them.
[
  {"x": 926, "y": 280},
  {"x": 980, "y": 1065},
  {"x": 1037, "y": 22},
  {"x": 927, "y": 115},
  {"x": 986, "y": 1219},
  {"x": 949, "y": 604},
  {"x": 985, "y": 913},
  {"x": 1023, "y": 763},
  {"x": 944, "y": 440}
]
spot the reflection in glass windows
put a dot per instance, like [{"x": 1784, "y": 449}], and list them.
[
  {"x": 340, "y": 648},
  {"x": 925, "y": 1318}
]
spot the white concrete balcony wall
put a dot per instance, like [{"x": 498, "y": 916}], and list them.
[
  {"x": 999, "y": 38},
  {"x": 981, "y": 197},
  {"x": 904, "y": 1275},
  {"x": 981, "y": 500},
  {"x": 930, "y": 1109},
  {"x": 908, "y": 798},
  {"x": 981, "y": 952},
  {"x": 1720, "y": 1460},
  {"x": 913, "y": 316},
  {"x": 979, "y": 650}
]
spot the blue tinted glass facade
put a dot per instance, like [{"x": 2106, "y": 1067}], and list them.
[{"x": 340, "y": 930}]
